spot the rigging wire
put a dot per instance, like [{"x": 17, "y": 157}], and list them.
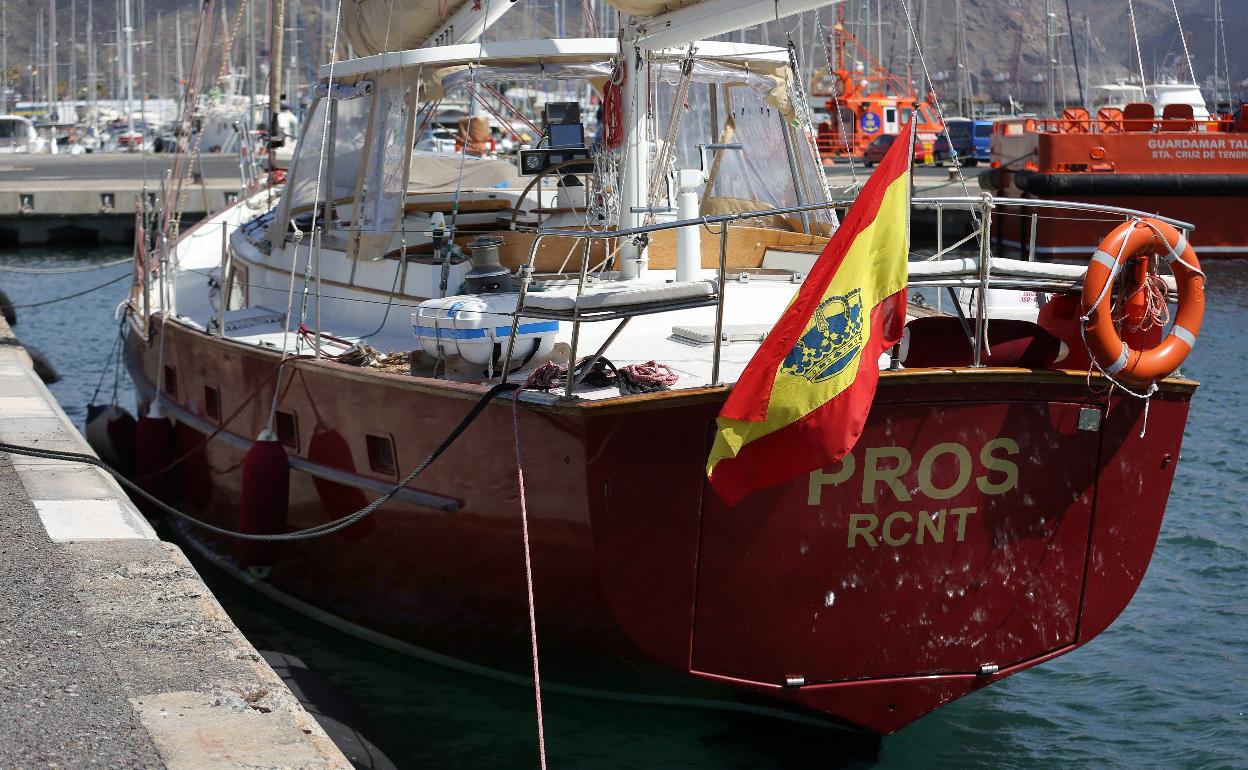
[
  {"x": 1226, "y": 65},
  {"x": 108, "y": 362},
  {"x": 316, "y": 202},
  {"x": 463, "y": 152},
  {"x": 801, "y": 106},
  {"x": 394, "y": 287},
  {"x": 840, "y": 118},
  {"x": 957, "y": 167},
  {"x": 1182, "y": 38},
  {"x": 1074, "y": 50},
  {"x": 1139, "y": 58}
]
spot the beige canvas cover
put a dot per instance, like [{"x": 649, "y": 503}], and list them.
[
  {"x": 441, "y": 173},
  {"x": 648, "y": 7},
  {"x": 377, "y": 26}
]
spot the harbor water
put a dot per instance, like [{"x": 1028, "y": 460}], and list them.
[{"x": 1165, "y": 686}]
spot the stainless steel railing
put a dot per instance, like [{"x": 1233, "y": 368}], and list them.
[{"x": 983, "y": 205}]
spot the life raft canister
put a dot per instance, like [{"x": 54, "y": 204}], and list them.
[{"x": 1142, "y": 238}]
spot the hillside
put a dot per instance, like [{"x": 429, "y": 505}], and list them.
[{"x": 1004, "y": 39}]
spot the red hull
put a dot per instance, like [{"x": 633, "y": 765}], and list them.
[
  {"x": 1219, "y": 232},
  {"x": 1195, "y": 176},
  {"x": 844, "y": 593}
]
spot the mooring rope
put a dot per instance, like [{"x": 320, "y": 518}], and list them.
[
  {"x": 75, "y": 295},
  {"x": 320, "y": 530},
  {"x": 528, "y": 580},
  {"x": 63, "y": 270}
]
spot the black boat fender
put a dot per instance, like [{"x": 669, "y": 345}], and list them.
[
  {"x": 7, "y": 310},
  {"x": 111, "y": 432},
  {"x": 43, "y": 365},
  {"x": 1059, "y": 185}
]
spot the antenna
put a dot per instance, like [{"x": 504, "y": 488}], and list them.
[{"x": 1050, "y": 77}]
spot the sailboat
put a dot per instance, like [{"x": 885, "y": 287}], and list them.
[{"x": 999, "y": 509}]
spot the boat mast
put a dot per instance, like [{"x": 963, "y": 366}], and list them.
[
  {"x": 275, "y": 68},
  {"x": 251, "y": 63},
  {"x": 4, "y": 55},
  {"x": 177, "y": 53},
  {"x": 160, "y": 58},
  {"x": 143, "y": 61},
  {"x": 72, "y": 90},
  {"x": 92, "y": 73},
  {"x": 636, "y": 172},
  {"x": 292, "y": 55},
  {"x": 118, "y": 92},
  {"x": 960, "y": 44},
  {"x": 1217, "y": 27},
  {"x": 51, "y": 50},
  {"x": 129, "y": 62},
  {"x": 35, "y": 86}
]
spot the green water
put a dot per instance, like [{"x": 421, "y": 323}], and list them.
[{"x": 1166, "y": 686}]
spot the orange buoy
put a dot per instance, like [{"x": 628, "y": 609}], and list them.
[
  {"x": 1142, "y": 239},
  {"x": 265, "y": 501}
]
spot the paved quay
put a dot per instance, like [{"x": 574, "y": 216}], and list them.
[
  {"x": 84, "y": 199},
  {"x": 113, "y": 652}
]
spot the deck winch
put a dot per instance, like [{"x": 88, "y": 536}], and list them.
[{"x": 487, "y": 274}]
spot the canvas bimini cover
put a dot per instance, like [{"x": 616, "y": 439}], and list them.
[{"x": 377, "y": 26}]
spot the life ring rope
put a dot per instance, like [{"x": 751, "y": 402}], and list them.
[{"x": 1146, "y": 238}]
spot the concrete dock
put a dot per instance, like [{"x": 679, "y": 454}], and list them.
[
  {"x": 85, "y": 200},
  {"x": 113, "y": 652}
]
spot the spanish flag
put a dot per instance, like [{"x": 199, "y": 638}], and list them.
[{"x": 803, "y": 399}]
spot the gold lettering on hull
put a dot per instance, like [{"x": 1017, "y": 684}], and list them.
[
  {"x": 899, "y": 528},
  {"x": 890, "y": 473}
]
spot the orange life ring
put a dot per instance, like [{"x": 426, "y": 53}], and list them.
[{"x": 1144, "y": 238}]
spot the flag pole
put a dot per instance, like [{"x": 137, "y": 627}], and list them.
[{"x": 894, "y": 356}]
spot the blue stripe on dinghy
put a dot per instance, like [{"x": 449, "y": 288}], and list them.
[{"x": 537, "y": 327}]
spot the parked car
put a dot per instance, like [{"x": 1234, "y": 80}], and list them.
[
  {"x": 875, "y": 151},
  {"x": 970, "y": 140}
]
